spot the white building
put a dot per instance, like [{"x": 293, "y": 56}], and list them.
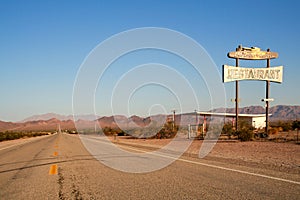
[{"x": 257, "y": 120}]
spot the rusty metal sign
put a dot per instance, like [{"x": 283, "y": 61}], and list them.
[
  {"x": 252, "y": 53},
  {"x": 231, "y": 73}
]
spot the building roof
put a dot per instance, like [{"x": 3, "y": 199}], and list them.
[{"x": 230, "y": 114}]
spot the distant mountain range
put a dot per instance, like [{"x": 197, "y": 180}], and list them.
[
  {"x": 48, "y": 116},
  {"x": 279, "y": 112},
  {"x": 50, "y": 121}
]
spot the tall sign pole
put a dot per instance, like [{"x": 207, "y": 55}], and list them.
[
  {"x": 267, "y": 97},
  {"x": 236, "y": 98}
]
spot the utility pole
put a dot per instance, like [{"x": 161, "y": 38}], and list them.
[{"x": 174, "y": 119}]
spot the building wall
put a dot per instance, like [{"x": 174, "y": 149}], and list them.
[{"x": 259, "y": 122}]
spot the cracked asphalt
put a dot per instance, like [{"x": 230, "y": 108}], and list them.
[{"x": 59, "y": 167}]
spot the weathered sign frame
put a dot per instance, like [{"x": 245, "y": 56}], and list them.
[{"x": 253, "y": 53}]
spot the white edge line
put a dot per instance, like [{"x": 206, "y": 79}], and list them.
[{"x": 218, "y": 167}]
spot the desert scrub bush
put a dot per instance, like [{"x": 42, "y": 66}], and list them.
[
  {"x": 244, "y": 135},
  {"x": 282, "y": 125},
  {"x": 108, "y": 131},
  {"x": 274, "y": 131},
  {"x": 245, "y": 131},
  {"x": 296, "y": 125},
  {"x": 228, "y": 129},
  {"x": 167, "y": 131},
  {"x": 9, "y": 135}
]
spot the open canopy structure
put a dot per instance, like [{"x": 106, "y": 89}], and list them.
[{"x": 257, "y": 120}]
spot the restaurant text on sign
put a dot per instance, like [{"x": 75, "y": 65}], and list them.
[{"x": 232, "y": 73}]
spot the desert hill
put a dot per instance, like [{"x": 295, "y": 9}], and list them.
[
  {"x": 48, "y": 116},
  {"x": 279, "y": 112},
  {"x": 44, "y": 123}
]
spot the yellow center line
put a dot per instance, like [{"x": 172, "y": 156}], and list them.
[{"x": 53, "y": 170}]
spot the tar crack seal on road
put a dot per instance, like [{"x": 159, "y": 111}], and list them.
[{"x": 60, "y": 184}]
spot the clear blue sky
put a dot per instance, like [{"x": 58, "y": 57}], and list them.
[{"x": 43, "y": 43}]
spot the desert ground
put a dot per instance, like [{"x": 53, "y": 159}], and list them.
[{"x": 281, "y": 156}]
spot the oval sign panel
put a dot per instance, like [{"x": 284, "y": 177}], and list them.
[{"x": 252, "y": 53}]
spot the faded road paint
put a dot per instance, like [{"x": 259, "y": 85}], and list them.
[{"x": 53, "y": 170}]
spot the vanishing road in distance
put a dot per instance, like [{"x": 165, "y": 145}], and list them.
[{"x": 59, "y": 167}]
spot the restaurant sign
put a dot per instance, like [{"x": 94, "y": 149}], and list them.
[{"x": 231, "y": 73}]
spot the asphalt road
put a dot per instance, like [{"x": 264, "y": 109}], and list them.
[{"x": 60, "y": 167}]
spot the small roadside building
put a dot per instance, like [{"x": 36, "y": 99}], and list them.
[{"x": 258, "y": 121}]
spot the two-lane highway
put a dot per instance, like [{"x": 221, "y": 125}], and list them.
[{"x": 59, "y": 167}]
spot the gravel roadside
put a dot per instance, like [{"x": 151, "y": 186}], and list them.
[{"x": 278, "y": 156}]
